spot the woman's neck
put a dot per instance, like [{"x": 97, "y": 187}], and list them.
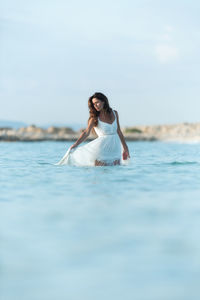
[{"x": 103, "y": 113}]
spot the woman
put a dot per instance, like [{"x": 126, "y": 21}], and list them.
[{"x": 104, "y": 150}]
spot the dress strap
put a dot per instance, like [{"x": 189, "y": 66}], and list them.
[{"x": 114, "y": 115}]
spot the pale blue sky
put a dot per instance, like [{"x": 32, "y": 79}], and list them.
[{"x": 144, "y": 55}]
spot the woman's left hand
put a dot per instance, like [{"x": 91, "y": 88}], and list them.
[{"x": 125, "y": 154}]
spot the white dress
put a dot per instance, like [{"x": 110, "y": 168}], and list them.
[{"x": 106, "y": 148}]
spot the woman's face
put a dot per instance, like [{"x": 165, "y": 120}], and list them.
[{"x": 98, "y": 104}]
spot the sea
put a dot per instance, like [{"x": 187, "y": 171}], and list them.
[{"x": 100, "y": 233}]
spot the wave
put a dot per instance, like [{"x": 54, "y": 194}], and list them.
[
  {"x": 44, "y": 163},
  {"x": 182, "y": 163}
]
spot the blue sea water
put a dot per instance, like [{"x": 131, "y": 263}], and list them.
[{"x": 94, "y": 233}]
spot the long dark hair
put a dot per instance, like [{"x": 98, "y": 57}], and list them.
[{"x": 92, "y": 111}]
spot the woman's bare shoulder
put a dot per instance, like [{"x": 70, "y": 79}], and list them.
[{"x": 91, "y": 121}]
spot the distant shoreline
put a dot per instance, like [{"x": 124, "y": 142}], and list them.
[{"x": 183, "y": 132}]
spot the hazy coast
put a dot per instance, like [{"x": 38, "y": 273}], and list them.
[{"x": 183, "y": 132}]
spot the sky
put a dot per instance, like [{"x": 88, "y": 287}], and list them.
[{"x": 144, "y": 55}]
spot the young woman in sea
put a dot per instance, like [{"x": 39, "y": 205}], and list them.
[{"x": 109, "y": 148}]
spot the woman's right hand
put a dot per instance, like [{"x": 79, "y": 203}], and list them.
[{"x": 72, "y": 147}]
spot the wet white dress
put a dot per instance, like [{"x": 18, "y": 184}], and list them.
[{"x": 106, "y": 148}]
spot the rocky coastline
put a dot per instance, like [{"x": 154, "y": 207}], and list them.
[{"x": 183, "y": 132}]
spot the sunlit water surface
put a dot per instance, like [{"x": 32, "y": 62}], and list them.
[{"x": 96, "y": 233}]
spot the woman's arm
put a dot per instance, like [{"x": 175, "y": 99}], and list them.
[
  {"x": 84, "y": 134},
  {"x": 121, "y": 136}
]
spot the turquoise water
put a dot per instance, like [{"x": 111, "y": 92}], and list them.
[{"x": 122, "y": 232}]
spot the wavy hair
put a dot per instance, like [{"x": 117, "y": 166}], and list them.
[{"x": 92, "y": 111}]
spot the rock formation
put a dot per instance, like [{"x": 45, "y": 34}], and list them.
[{"x": 184, "y": 132}]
